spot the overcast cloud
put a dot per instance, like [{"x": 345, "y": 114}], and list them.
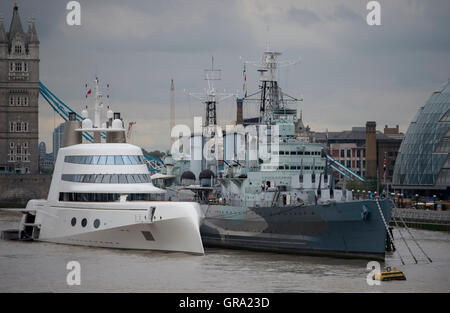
[{"x": 350, "y": 72}]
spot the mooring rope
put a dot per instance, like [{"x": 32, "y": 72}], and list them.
[
  {"x": 414, "y": 239},
  {"x": 404, "y": 240},
  {"x": 387, "y": 229}
]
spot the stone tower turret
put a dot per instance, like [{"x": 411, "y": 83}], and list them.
[{"x": 19, "y": 92}]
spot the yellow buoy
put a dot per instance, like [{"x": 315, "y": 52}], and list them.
[{"x": 390, "y": 274}]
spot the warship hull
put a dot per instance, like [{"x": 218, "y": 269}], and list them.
[{"x": 353, "y": 229}]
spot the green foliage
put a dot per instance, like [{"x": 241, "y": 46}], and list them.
[
  {"x": 368, "y": 185},
  {"x": 156, "y": 153},
  {"x": 46, "y": 170}
]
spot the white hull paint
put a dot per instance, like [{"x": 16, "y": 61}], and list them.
[{"x": 123, "y": 225}]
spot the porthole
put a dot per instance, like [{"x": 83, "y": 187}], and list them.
[
  {"x": 84, "y": 222},
  {"x": 97, "y": 223},
  {"x": 73, "y": 222}
]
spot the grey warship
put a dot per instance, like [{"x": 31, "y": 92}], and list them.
[{"x": 291, "y": 205}]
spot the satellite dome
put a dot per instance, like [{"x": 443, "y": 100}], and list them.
[
  {"x": 206, "y": 174},
  {"x": 188, "y": 175}
]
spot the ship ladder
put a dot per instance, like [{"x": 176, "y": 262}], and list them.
[
  {"x": 387, "y": 230},
  {"x": 276, "y": 195},
  {"x": 412, "y": 237}
]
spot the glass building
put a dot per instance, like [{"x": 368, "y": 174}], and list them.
[{"x": 423, "y": 162}]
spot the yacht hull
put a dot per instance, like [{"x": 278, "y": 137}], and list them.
[
  {"x": 165, "y": 228},
  {"x": 352, "y": 229}
]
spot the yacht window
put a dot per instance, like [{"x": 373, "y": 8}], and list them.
[
  {"x": 102, "y": 160},
  {"x": 118, "y": 160},
  {"x": 114, "y": 179},
  {"x": 98, "y": 178},
  {"x": 110, "y": 160},
  {"x": 95, "y": 159},
  {"x": 122, "y": 179},
  {"x": 105, "y": 159},
  {"x": 106, "y": 179},
  {"x": 106, "y": 197},
  {"x": 126, "y": 160},
  {"x": 137, "y": 178},
  {"x": 92, "y": 178},
  {"x": 130, "y": 179}
]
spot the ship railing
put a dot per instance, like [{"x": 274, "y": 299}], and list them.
[{"x": 427, "y": 216}]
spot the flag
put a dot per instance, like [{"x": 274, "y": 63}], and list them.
[
  {"x": 245, "y": 83},
  {"x": 88, "y": 93}
]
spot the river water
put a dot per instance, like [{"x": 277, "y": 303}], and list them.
[{"x": 41, "y": 267}]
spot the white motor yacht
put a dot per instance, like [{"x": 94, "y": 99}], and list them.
[{"x": 101, "y": 195}]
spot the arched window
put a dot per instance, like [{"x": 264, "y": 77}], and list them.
[{"x": 300, "y": 178}]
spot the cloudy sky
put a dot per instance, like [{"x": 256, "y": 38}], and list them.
[{"x": 350, "y": 72}]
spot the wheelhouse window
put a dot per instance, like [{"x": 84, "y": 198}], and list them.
[
  {"x": 105, "y": 159},
  {"x": 107, "y": 178}
]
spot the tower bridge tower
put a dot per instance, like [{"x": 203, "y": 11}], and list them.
[{"x": 19, "y": 92}]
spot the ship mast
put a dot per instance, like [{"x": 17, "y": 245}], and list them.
[{"x": 271, "y": 97}]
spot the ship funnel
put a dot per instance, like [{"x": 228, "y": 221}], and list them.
[
  {"x": 239, "y": 112},
  {"x": 70, "y": 136}
]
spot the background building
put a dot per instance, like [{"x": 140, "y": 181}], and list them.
[
  {"x": 19, "y": 91},
  {"x": 423, "y": 164},
  {"x": 58, "y": 135},
  {"x": 363, "y": 149},
  {"x": 45, "y": 159}
]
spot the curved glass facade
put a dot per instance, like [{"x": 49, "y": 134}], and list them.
[{"x": 423, "y": 155}]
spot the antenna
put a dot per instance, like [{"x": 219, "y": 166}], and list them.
[
  {"x": 211, "y": 97},
  {"x": 271, "y": 97},
  {"x": 172, "y": 110}
]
